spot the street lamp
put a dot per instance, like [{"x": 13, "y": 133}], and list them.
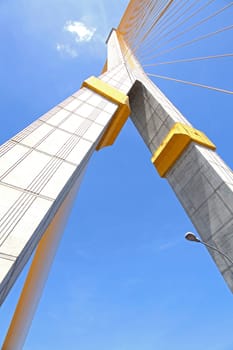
[{"x": 192, "y": 238}]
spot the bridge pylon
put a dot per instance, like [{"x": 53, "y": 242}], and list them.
[{"x": 42, "y": 168}]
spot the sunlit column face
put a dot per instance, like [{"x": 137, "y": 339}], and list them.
[{"x": 39, "y": 166}]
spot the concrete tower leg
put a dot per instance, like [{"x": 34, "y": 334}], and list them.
[
  {"x": 41, "y": 166},
  {"x": 184, "y": 156},
  {"x": 40, "y": 170}
]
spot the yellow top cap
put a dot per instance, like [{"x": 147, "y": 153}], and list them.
[
  {"x": 119, "y": 118},
  {"x": 174, "y": 144},
  {"x": 106, "y": 90}
]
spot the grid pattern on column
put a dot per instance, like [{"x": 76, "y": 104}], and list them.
[
  {"x": 153, "y": 114},
  {"x": 201, "y": 180},
  {"x": 204, "y": 185},
  {"x": 119, "y": 78},
  {"x": 39, "y": 165}
]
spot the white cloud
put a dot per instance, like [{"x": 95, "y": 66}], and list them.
[
  {"x": 82, "y": 32},
  {"x": 67, "y": 49},
  {"x": 76, "y": 33}
]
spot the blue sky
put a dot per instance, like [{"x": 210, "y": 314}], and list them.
[{"x": 124, "y": 278}]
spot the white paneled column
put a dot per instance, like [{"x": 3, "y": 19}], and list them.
[{"x": 40, "y": 165}]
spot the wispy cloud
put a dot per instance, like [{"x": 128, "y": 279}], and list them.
[
  {"x": 76, "y": 33},
  {"x": 82, "y": 32},
  {"x": 67, "y": 49},
  {"x": 168, "y": 245}
]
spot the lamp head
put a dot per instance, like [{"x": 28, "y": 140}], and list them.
[{"x": 191, "y": 237}]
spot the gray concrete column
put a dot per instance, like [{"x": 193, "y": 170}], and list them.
[{"x": 203, "y": 183}]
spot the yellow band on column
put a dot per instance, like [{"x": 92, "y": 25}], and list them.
[
  {"x": 120, "y": 116},
  {"x": 174, "y": 144}
]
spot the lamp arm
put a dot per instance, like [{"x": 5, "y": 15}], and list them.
[{"x": 217, "y": 250}]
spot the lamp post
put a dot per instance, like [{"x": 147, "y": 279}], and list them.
[{"x": 192, "y": 238}]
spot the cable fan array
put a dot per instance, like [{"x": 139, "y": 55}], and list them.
[{"x": 166, "y": 35}]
